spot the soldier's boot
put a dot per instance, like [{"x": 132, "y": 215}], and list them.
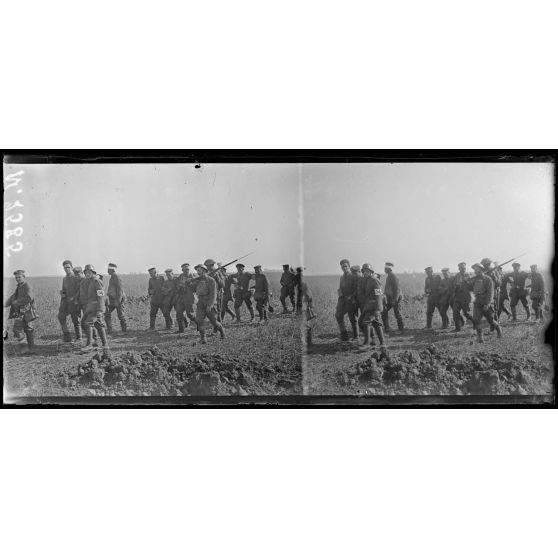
[
  {"x": 384, "y": 351},
  {"x": 168, "y": 322},
  {"x": 428, "y": 322},
  {"x": 528, "y": 313},
  {"x": 344, "y": 335},
  {"x": 94, "y": 334},
  {"x": 237, "y": 312},
  {"x": 498, "y": 330},
  {"x": 123, "y": 326},
  {"x": 285, "y": 311},
  {"x": 400, "y": 325},
  {"x": 203, "y": 340},
  {"x": 77, "y": 331},
  {"x": 514, "y": 314},
  {"x": 222, "y": 331},
  {"x": 355, "y": 331},
  {"x": 445, "y": 322},
  {"x": 88, "y": 341},
  {"x": 67, "y": 337},
  {"x": 180, "y": 322},
  {"x": 480, "y": 337},
  {"x": 230, "y": 313},
  {"x": 152, "y": 322},
  {"x": 251, "y": 314},
  {"x": 265, "y": 315},
  {"x": 108, "y": 321},
  {"x": 103, "y": 337}
]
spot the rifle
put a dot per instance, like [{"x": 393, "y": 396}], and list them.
[
  {"x": 234, "y": 261},
  {"x": 505, "y": 263}
]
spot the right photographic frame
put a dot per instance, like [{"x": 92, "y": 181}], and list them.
[{"x": 428, "y": 281}]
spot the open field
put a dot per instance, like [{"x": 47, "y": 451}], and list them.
[
  {"x": 425, "y": 362},
  {"x": 251, "y": 360}
]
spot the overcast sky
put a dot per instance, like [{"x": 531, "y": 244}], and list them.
[
  {"x": 421, "y": 214},
  {"x": 413, "y": 215},
  {"x": 139, "y": 216}
]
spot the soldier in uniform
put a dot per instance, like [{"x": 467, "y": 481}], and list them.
[
  {"x": 23, "y": 312},
  {"x": 372, "y": 309},
  {"x": 287, "y": 282},
  {"x": 346, "y": 303},
  {"x": 504, "y": 295},
  {"x": 168, "y": 290},
  {"x": 219, "y": 277},
  {"x": 115, "y": 299},
  {"x": 461, "y": 296},
  {"x": 298, "y": 290},
  {"x": 393, "y": 298},
  {"x": 242, "y": 294},
  {"x": 261, "y": 293},
  {"x": 518, "y": 292},
  {"x": 483, "y": 288},
  {"x": 360, "y": 298},
  {"x": 94, "y": 299},
  {"x": 228, "y": 296},
  {"x": 445, "y": 296},
  {"x": 495, "y": 274},
  {"x": 537, "y": 292},
  {"x": 184, "y": 298},
  {"x": 154, "y": 290},
  {"x": 206, "y": 291},
  {"x": 69, "y": 304},
  {"x": 432, "y": 291}
]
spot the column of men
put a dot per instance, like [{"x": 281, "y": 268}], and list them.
[{"x": 489, "y": 284}]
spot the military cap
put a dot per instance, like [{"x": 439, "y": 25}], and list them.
[
  {"x": 534, "y": 266},
  {"x": 89, "y": 267},
  {"x": 389, "y": 264},
  {"x": 113, "y": 266},
  {"x": 78, "y": 269},
  {"x": 486, "y": 261},
  {"x": 65, "y": 262},
  {"x": 239, "y": 265},
  {"x": 168, "y": 270},
  {"x": 185, "y": 265},
  {"x": 344, "y": 262},
  {"x": 19, "y": 272},
  {"x": 476, "y": 265},
  {"x": 367, "y": 267},
  {"x": 209, "y": 261},
  {"x": 429, "y": 268},
  {"x": 151, "y": 269},
  {"x": 461, "y": 264},
  {"x": 299, "y": 270},
  {"x": 515, "y": 264},
  {"x": 355, "y": 268},
  {"x": 202, "y": 266},
  {"x": 257, "y": 267},
  {"x": 445, "y": 269}
]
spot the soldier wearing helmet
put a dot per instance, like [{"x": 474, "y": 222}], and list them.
[
  {"x": 287, "y": 282},
  {"x": 94, "y": 313},
  {"x": 242, "y": 293},
  {"x": 206, "y": 291},
  {"x": 461, "y": 297},
  {"x": 372, "y": 307},
  {"x": 432, "y": 292},
  {"x": 218, "y": 275},
  {"x": 483, "y": 288},
  {"x": 537, "y": 293},
  {"x": 184, "y": 298}
]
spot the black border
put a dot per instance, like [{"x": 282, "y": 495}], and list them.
[{"x": 153, "y": 156}]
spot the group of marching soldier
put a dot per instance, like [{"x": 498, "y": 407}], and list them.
[
  {"x": 209, "y": 292},
  {"x": 367, "y": 307},
  {"x": 193, "y": 297}
]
